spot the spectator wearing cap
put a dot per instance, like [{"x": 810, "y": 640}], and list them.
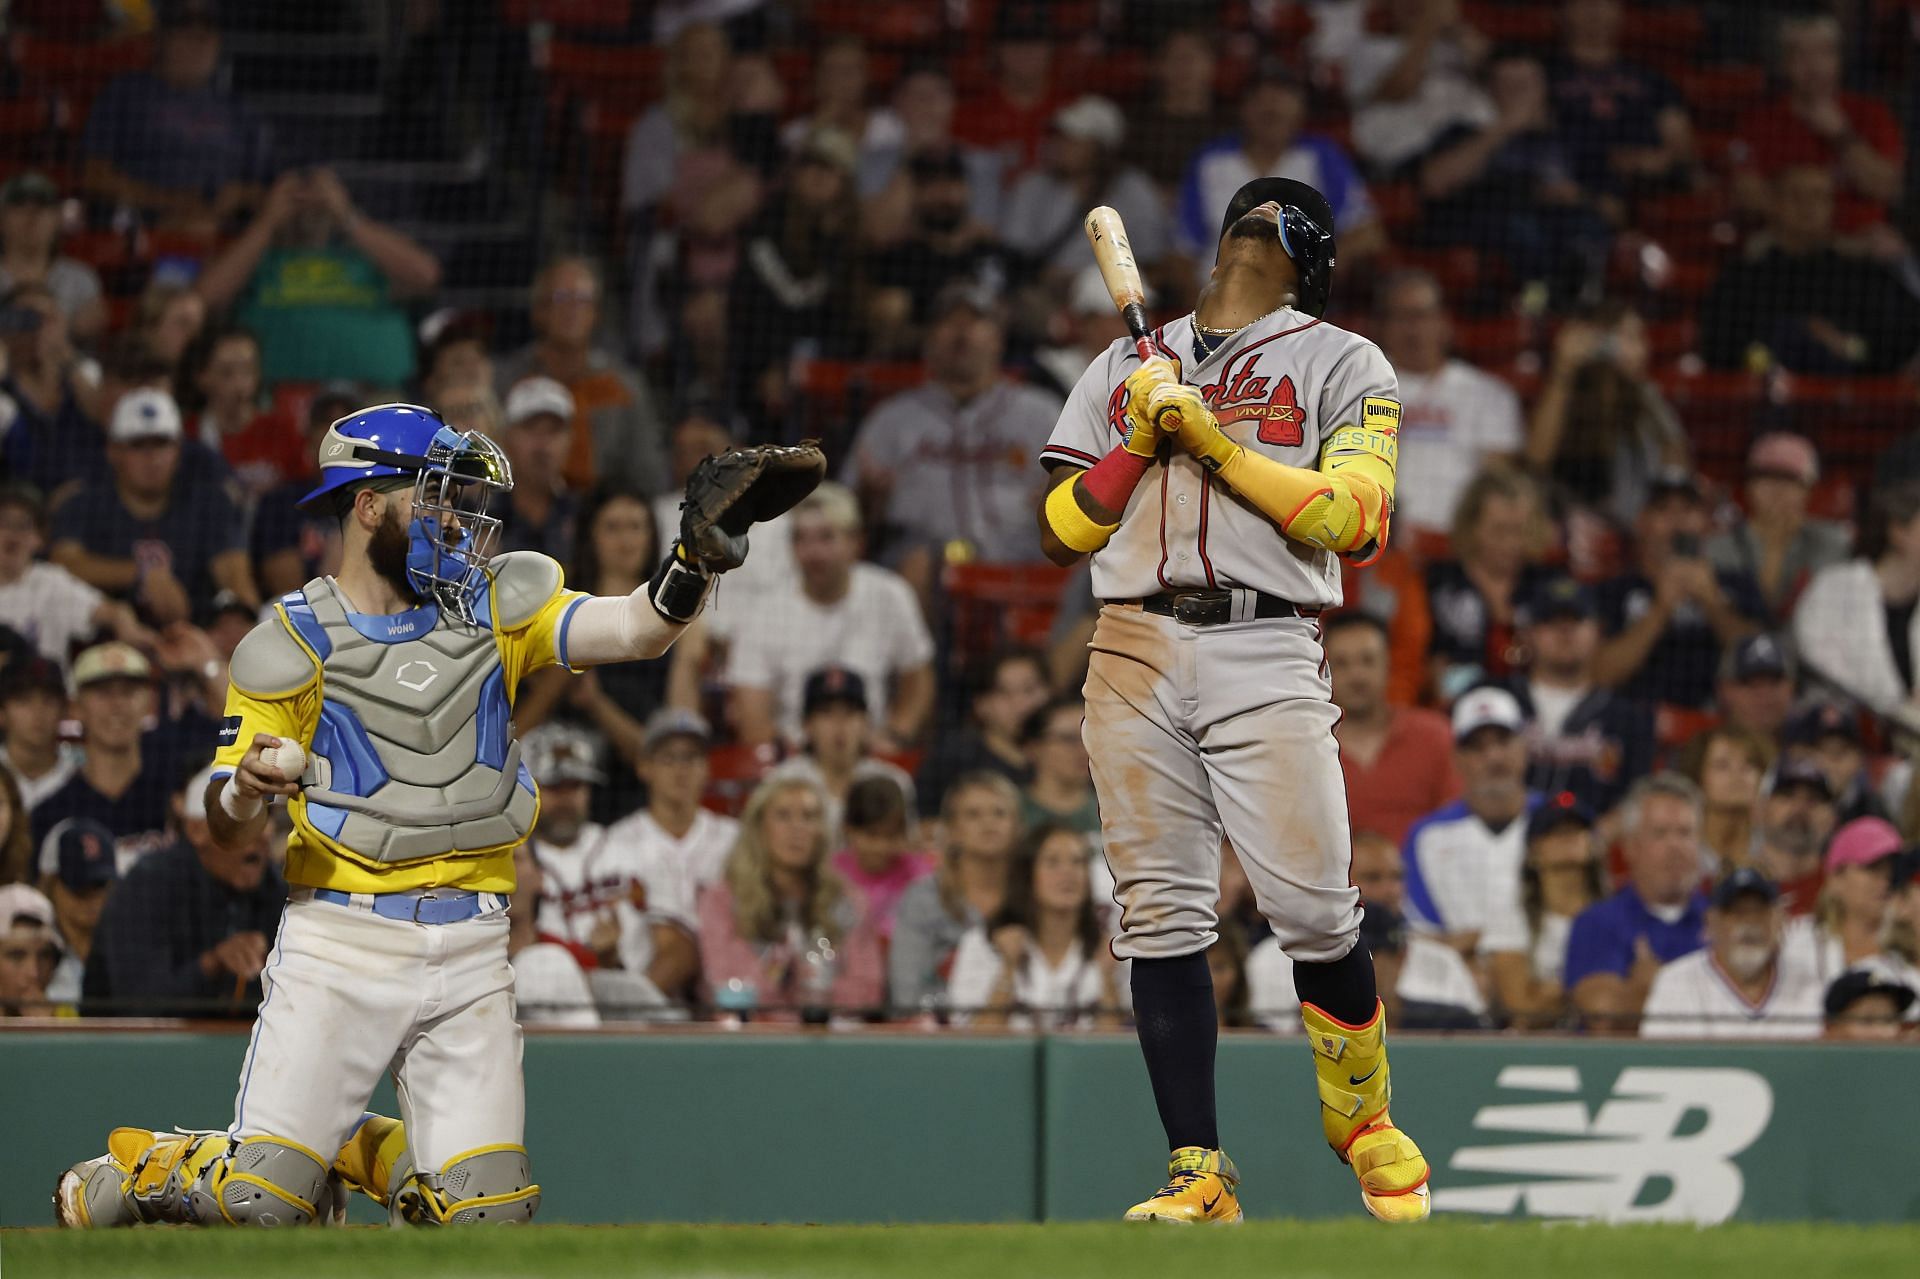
[
  {"x": 258, "y": 441},
  {"x": 292, "y": 544},
  {"x": 880, "y": 857},
  {"x": 171, "y": 141},
  {"x": 1868, "y": 1006},
  {"x": 1089, "y": 325},
  {"x": 33, "y": 701},
  {"x": 1796, "y": 819},
  {"x": 797, "y": 290},
  {"x": 619, "y": 435},
  {"x": 628, "y": 905},
  {"x": 1500, "y": 538},
  {"x": 1272, "y": 143},
  {"x": 186, "y": 931},
  {"x": 836, "y": 737},
  {"x": 1463, "y": 861},
  {"x": 1011, "y": 114},
  {"x": 1585, "y": 738},
  {"x": 782, "y": 933},
  {"x": 30, "y": 224},
  {"x": 550, "y": 985},
  {"x": 16, "y": 832},
  {"x": 1617, "y": 945},
  {"x": 1061, "y": 790},
  {"x": 1398, "y": 760},
  {"x": 1668, "y": 618},
  {"x": 44, "y": 602},
  {"x": 1755, "y": 691},
  {"x": 951, "y": 467},
  {"x": 1743, "y": 984},
  {"x": 1454, "y": 418},
  {"x": 1179, "y": 106},
  {"x": 839, "y": 611},
  {"x": 1625, "y": 125},
  {"x": 1728, "y": 765},
  {"x": 1002, "y": 689},
  {"x": 29, "y": 950},
  {"x": 144, "y": 536},
  {"x": 1415, "y": 974},
  {"x": 1828, "y": 737},
  {"x": 674, "y": 829},
  {"x": 122, "y": 781},
  {"x": 78, "y": 870},
  {"x": 1525, "y": 944},
  {"x": 1777, "y": 544},
  {"x": 943, "y": 241},
  {"x": 1849, "y": 923},
  {"x": 1856, "y": 627},
  {"x": 1082, "y": 165},
  {"x": 540, "y": 511},
  {"x": 919, "y": 120},
  {"x": 50, "y": 441}
]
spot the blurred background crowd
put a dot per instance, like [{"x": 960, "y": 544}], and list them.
[{"x": 1628, "y": 705}]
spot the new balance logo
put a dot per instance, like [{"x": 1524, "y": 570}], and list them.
[{"x": 1660, "y": 1148}]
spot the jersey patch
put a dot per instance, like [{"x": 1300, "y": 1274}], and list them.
[
  {"x": 1377, "y": 413},
  {"x": 229, "y": 731}
]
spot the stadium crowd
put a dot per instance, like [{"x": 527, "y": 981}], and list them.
[{"x": 1627, "y": 706}]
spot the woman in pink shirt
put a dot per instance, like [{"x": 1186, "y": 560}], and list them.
[
  {"x": 782, "y": 933},
  {"x": 879, "y": 859}
]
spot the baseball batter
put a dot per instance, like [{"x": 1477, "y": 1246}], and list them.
[
  {"x": 1213, "y": 487},
  {"x": 392, "y": 686}
]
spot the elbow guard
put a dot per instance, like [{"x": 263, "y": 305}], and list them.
[
  {"x": 1073, "y": 526},
  {"x": 1359, "y": 461}
]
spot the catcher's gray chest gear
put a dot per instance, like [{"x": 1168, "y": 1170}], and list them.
[{"x": 414, "y": 757}]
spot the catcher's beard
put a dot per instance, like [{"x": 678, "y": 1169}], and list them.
[{"x": 387, "y": 553}]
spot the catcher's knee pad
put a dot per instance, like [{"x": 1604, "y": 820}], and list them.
[
  {"x": 263, "y": 1181},
  {"x": 490, "y": 1186}
]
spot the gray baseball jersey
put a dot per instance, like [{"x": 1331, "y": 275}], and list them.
[
  {"x": 1280, "y": 386},
  {"x": 1198, "y": 730}
]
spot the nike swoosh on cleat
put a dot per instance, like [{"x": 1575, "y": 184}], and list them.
[
  {"x": 1206, "y": 1205},
  {"x": 1363, "y": 1078}
]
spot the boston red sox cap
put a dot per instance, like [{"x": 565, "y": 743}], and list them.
[{"x": 833, "y": 686}]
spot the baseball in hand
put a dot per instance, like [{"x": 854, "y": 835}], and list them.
[{"x": 287, "y": 757}]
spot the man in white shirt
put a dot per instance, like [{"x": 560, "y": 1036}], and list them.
[
  {"x": 43, "y": 602},
  {"x": 673, "y": 829},
  {"x": 1743, "y": 985},
  {"x": 1453, "y": 418},
  {"x": 631, "y": 911},
  {"x": 840, "y": 611},
  {"x": 33, "y": 701},
  {"x": 1463, "y": 861},
  {"x": 1417, "y": 970}
]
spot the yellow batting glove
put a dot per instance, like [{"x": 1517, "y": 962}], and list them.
[
  {"x": 1143, "y": 437},
  {"x": 1181, "y": 412}
]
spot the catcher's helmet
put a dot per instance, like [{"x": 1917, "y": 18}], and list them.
[{"x": 1306, "y": 233}]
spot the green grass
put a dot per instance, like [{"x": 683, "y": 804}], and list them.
[{"x": 1269, "y": 1250}]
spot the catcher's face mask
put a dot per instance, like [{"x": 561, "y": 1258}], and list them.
[{"x": 452, "y": 535}]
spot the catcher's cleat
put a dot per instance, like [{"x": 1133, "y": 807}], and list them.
[
  {"x": 145, "y": 1176},
  {"x": 1355, "y": 1088},
  {"x": 1199, "y": 1191},
  {"x": 367, "y": 1161}
]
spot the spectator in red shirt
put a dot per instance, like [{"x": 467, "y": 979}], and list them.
[
  {"x": 1398, "y": 760},
  {"x": 262, "y": 445},
  {"x": 1815, "y": 122},
  {"x": 1013, "y": 113}
]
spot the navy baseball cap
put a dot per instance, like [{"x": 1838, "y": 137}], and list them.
[
  {"x": 1550, "y": 814},
  {"x": 833, "y": 686},
  {"x": 1555, "y": 598},
  {"x": 34, "y": 674},
  {"x": 1821, "y": 720},
  {"x": 79, "y": 851},
  {"x": 1857, "y": 983},
  {"x": 1801, "y": 774},
  {"x": 1756, "y": 657},
  {"x": 1743, "y": 882}
]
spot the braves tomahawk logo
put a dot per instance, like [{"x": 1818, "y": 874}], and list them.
[{"x": 1660, "y": 1148}]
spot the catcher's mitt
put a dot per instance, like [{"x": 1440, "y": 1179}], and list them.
[{"x": 729, "y": 494}]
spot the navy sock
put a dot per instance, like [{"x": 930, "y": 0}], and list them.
[
  {"x": 1342, "y": 989},
  {"x": 1174, "y": 1014}
]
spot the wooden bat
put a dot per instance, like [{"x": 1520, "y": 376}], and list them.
[{"x": 1108, "y": 234}]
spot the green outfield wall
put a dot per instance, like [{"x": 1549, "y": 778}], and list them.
[{"x": 857, "y": 1128}]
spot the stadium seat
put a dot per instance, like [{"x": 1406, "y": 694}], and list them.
[
  {"x": 1493, "y": 341},
  {"x": 732, "y": 773},
  {"x": 881, "y": 22},
  {"x": 571, "y": 15},
  {"x": 1718, "y": 97},
  {"x": 991, "y": 605},
  {"x": 76, "y": 70},
  {"x": 1666, "y": 38},
  {"x": 1530, "y": 24}
]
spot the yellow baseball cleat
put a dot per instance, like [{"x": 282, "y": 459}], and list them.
[
  {"x": 145, "y": 1176},
  {"x": 1199, "y": 1191},
  {"x": 366, "y": 1162},
  {"x": 1355, "y": 1088}
]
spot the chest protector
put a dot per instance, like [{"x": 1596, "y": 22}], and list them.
[{"x": 414, "y": 758}]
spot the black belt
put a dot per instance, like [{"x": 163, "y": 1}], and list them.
[{"x": 1210, "y": 608}]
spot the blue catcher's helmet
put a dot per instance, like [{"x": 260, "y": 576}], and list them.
[{"x": 455, "y": 475}]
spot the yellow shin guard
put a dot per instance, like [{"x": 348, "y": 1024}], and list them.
[{"x": 1355, "y": 1089}]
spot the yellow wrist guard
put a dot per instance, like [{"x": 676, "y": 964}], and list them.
[{"x": 1073, "y": 526}]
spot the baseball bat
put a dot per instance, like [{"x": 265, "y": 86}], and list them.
[{"x": 1108, "y": 235}]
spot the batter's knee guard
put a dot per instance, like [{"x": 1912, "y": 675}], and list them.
[
  {"x": 490, "y": 1186},
  {"x": 263, "y": 1181}
]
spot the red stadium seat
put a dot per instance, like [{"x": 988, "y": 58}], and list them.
[
  {"x": 1665, "y": 38},
  {"x": 990, "y": 605},
  {"x": 1458, "y": 269},
  {"x": 76, "y": 70},
  {"x": 1515, "y": 24},
  {"x": 881, "y": 22},
  {"x": 1719, "y": 96},
  {"x": 1669, "y": 340},
  {"x": 620, "y": 78},
  {"x": 1494, "y": 341},
  {"x": 1399, "y": 205},
  {"x": 571, "y": 15},
  {"x": 732, "y": 773}
]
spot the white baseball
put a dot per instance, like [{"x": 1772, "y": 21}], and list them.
[{"x": 288, "y": 757}]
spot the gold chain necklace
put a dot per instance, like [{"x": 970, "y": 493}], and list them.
[{"x": 1207, "y": 332}]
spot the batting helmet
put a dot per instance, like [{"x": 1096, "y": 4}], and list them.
[{"x": 1306, "y": 233}]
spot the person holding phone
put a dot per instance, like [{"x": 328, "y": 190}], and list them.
[{"x": 1668, "y": 617}]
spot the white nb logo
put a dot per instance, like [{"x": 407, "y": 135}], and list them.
[
  {"x": 1628, "y": 1160},
  {"x": 416, "y": 674}
]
